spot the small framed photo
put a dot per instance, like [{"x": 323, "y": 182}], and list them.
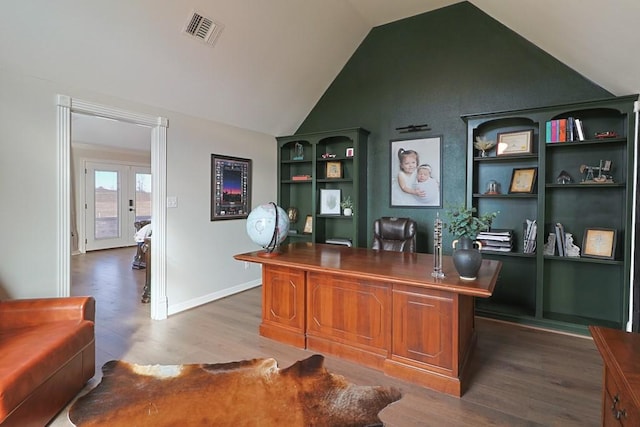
[
  {"x": 599, "y": 243},
  {"x": 329, "y": 201},
  {"x": 523, "y": 180},
  {"x": 334, "y": 170},
  {"x": 349, "y": 152},
  {"x": 510, "y": 143},
  {"x": 308, "y": 225}
]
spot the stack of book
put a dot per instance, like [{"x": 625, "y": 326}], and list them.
[
  {"x": 563, "y": 130},
  {"x": 496, "y": 240}
]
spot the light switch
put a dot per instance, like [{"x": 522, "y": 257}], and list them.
[{"x": 172, "y": 202}]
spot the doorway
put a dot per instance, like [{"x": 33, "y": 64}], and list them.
[
  {"x": 65, "y": 106},
  {"x": 116, "y": 196}
]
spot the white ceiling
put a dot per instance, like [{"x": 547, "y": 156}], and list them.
[{"x": 274, "y": 59}]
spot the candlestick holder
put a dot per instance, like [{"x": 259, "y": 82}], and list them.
[{"x": 437, "y": 248}]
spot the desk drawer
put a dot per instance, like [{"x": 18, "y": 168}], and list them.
[{"x": 618, "y": 408}]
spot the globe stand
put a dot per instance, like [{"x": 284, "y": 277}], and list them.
[
  {"x": 267, "y": 254},
  {"x": 273, "y": 248},
  {"x": 268, "y": 226}
]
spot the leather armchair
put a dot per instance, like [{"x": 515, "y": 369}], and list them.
[{"x": 394, "y": 234}]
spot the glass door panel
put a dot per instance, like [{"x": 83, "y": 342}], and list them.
[
  {"x": 106, "y": 205},
  {"x": 143, "y": 196}
]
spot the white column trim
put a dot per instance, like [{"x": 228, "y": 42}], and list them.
[
  {"x": 63, "y": 196},
  {"x": 159, "y": 301},
  {"x": 67, "y": 105}
]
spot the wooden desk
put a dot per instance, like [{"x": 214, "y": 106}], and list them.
[
  {"x": 381, "y": 309},
  {"x": 620, "y": 353}
]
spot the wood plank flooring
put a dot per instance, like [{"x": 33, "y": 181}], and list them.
[{"x": 520, "y": 376}]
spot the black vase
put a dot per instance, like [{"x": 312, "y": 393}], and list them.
[{"x": 466, "y": 258}]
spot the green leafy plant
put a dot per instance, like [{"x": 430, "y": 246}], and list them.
[
  {"x": 346, "y": 203},
  {"x": 462, "y": 223}
]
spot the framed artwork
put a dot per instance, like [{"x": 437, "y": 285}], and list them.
[
  {"x": 599, "y": 243},
  {"x": 510, "y": 143},
  {"x": 349, "y": 152},
  {"x": 308, "y": 225},
  {"x": 334, "y": 170},
  {"x": 415, "y": 170},
  {"x": 329, "y": 201},
  {"x": 523, "y": 180},
  {"x": 230, "y": 187}
]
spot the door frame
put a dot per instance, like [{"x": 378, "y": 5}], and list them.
[{"x": 65, "y": 106}]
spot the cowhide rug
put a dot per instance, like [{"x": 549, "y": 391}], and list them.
[{"x": 246, "y": 393}]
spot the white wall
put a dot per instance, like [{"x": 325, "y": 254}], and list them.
[{"x": 200, "y": 264}]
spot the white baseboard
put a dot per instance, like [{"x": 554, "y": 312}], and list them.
[{"x": 205, "y": 299}]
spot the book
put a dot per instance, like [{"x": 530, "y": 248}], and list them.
[
  {"x": 530, "y": 235},
  {"x": 301, "y": 178},
  {"x": 496, "y": 243},
  {"x": 339, "y": 241},
  {"x": 548, "y": 132},
  {"x": 560, "y": 239},
  {"x": 571, "y": 129},
  {"x": 562, "y": 130},
  {"x": 579, "y": 129},
  {"x": 496, "y": 248}
]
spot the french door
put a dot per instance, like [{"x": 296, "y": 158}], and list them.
[{"x": 116, "y": 196}]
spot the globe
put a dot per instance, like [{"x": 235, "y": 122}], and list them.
[{"x": 268, "y": 226}]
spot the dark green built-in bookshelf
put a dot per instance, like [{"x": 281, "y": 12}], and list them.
[
  {"x": 308, "y": 155},
  {"x": 554, "y": 291}
]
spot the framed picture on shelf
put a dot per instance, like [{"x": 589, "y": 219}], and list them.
[
  {"x": 308, "y": 225},
  {"x": 349, "y": 152},
  {"x": 599, "y": 243},
  {"x": 523, "y": 180},
  {"x": 416, "y": 167},
  {"x": 230, "y": 187},
  {"x": 329, "y": 201},
  {"x": 334, "y": 170},
  {"x": 510, "y": 143}
]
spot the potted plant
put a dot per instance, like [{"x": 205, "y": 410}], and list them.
[
  {"x": 347, "y": 206},
  {"x": 464, "y": 226}
]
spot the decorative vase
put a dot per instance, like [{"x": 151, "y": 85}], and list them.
[
  {"x": 467, "y": 258},
  {"x": 348, "y": 212}
]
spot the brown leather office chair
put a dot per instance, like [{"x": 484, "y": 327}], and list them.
[{"x": 394, "y": 234}]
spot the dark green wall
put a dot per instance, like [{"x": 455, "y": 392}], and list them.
[{"x": 433, "y": 68}]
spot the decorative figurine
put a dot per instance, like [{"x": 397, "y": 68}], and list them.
[
  {"x": 298, "y": 152},
  {"x": 493, "y": 187},
  {"x": 292, "y": 213},
  {"x": 564, "y": 178},
  {"x": 437, "y": 248},
  {"x": 590, "y": 178}
]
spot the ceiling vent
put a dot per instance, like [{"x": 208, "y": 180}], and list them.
[{"x": 203, "y": 28}]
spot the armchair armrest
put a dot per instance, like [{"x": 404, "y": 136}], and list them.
[{"x": 30, "y": 312}]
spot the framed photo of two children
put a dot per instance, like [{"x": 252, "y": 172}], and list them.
[{"x": 415, "y": 172}]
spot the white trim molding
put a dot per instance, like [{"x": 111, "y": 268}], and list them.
[{"x": 67, "y": 105}]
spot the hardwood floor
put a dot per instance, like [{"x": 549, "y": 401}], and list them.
[{"x": 520, "y": 376}]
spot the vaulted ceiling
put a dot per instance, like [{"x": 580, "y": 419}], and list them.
[{"x": 274, "y": 59}]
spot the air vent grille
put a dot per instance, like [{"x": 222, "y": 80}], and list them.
[{"x": 203, "y": 28}]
